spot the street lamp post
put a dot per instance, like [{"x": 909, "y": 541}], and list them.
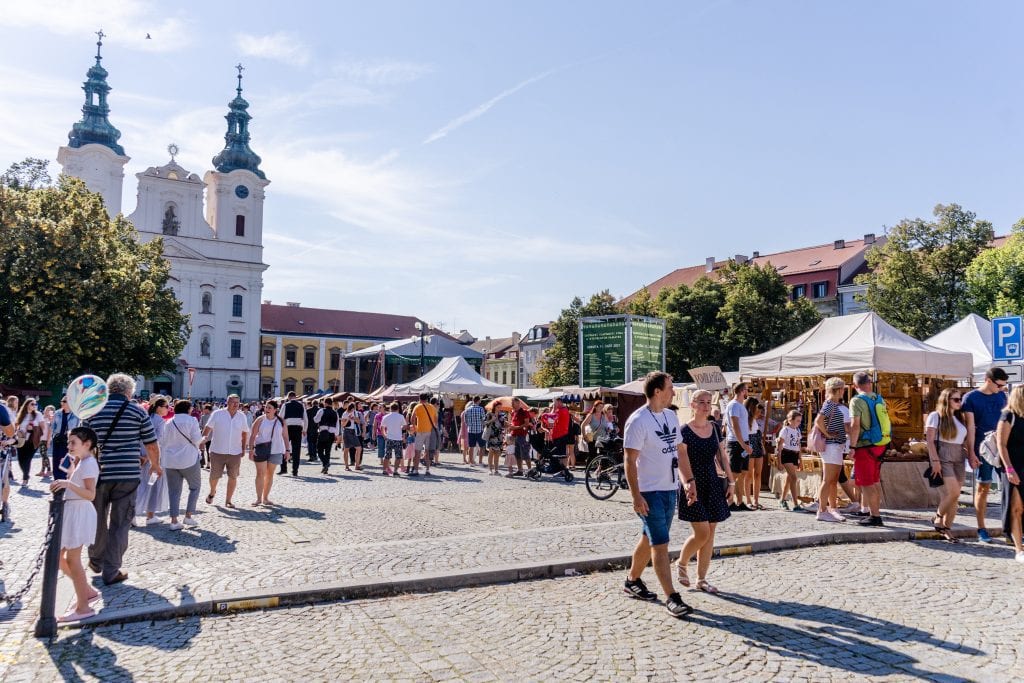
[{"x": 423, "y": 329}]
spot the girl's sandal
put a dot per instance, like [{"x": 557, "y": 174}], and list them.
[
  {"x": 703, "y": 585},
  {"x": 684, "y": 578}
]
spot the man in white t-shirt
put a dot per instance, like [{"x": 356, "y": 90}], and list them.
[
  {"x": 737, "y": 440},
  {"x": 654, "y": 464},
  {"x": 230, "y": 434},
  {"x": 391, "y": 426}
]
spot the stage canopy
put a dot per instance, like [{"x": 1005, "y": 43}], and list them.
[{"x": 450, "y": 376}]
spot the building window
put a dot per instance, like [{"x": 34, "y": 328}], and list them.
[
  {"x": 335, "y": 360},
  {"x": 207, "y": 303},
  {"x": 267, "y": 390},
  {"x": 289, "y": 385},
  {"x": 236, "y": 348},
  {"x": 799, "y": 292},
  {"x": 504, "y": 376},
  {"x": 268, "y": 358},
  {"x": 513, "y": 377},
  {"x": 236, "y": 306},
  {"x": 289, "y": 358},
  {"x": 819, "y": 290},
  {"x": 239, "y": 225},
  {"x": 308, "y": 386},
  {"x": 309, "y": 360},
  {"x": 332, "y": 386}
]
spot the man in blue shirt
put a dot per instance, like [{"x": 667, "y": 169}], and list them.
[
  {"x": 981, "y": 409},
  {"x": 474, "y": 416}
]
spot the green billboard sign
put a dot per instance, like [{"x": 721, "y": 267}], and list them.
[
  {"x": 646, "y": 347},
  {"x": 602, "y": 353}
]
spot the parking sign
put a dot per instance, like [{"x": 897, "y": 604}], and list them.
[{"x": 1006, "y": 338}]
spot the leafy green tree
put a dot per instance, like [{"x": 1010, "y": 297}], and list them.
[
  {"x": 693, "y": 329},
  {"x": 560, "y": 365},
  {"x": 642, "y": 304},
  {"x": 918, "y": 278},
  {"x": 29, "y": 174},
  {"x": 995, "y": 278},
  {"x": 81, "y": 294},
  {"x": 758, "y": 313}
]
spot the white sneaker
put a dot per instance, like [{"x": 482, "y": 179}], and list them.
[
  {"x": 813, "y": 507},
  {"x": 852, "y": 507},
  {"x": 138, "y": 521},
  {"x": 189, "y": 521},
  {"x": 153, "y": 520},
  {"x": 176, "y": 526},
  {"x": 825, "y": 516},
  {"x": 836, "y": 516},
  {"x": 1020, "y": 557}
]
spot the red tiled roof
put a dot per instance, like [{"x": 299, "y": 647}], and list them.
[
  {"x": 805, "y": 260},
  {"x": 323, "y": 321}
]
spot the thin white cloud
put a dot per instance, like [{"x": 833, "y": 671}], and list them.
[
  {"x": 482, "y": 109},
  {"x": 124, "y": 22},
  {"x": 382, "y": 72},
  {"x": 281, "y": 47}
]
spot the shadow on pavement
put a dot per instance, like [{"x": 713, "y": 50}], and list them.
[
  {"x": 80, "y": 653},
  {"x": 840, "y": 634},
  {"x": 197, "y": 537}
]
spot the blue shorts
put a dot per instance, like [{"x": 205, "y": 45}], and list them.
[
  {"x": 380, "y": 446},
  {"x": 476, "y": 439},
  {"x": 661, "y": 509},
  {"x": 985, "y": 474}
]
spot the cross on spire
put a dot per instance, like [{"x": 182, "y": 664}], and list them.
[
  {"x": 99, "y": 43},
  {"x": 240, "y": 70}
]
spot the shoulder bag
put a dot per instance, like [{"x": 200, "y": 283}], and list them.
[{"x": 263, "y": 449}]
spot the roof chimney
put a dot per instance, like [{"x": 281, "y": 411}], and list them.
[
  {"x": 293, "y": 304},
  {"x": 267, "y": 302},
  {"x": 757, "y": 254},
  {"x": 516, "y": 337},
  {"x": 839, "y": 244},
  {"x": 869, "y": 238},
  {"x": 709, "y": 264}
]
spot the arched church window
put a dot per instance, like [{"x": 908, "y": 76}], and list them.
[
  {"x": 204, "y": 346},
  {"x": 171, "y": 222},
  {"x": 236, "y": 306},
  {"x": 207, "y": 303}
]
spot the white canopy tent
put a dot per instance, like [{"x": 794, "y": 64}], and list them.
[
  {"x": 451, "y": 376},
  {"x": 848, "y": 343},
  {"x": 973, "y": 335},
  {"x": 434, "y": 346}
]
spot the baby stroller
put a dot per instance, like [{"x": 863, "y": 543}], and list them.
[{"x": 547, "y": 462}]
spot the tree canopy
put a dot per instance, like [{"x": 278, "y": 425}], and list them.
[
  {"x": 995, "y": 278},
  {"x": 918, "y": 279},
  {"x": 81, "y": 294},
  {"x": 560, "y": 365}
]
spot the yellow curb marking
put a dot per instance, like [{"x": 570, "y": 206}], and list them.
[
  {"x": 735, "y": 550},
  {"x": 257, "y": 603}
]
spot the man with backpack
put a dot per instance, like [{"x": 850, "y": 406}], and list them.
[
  {"x": 981, "y": 409},
  {"x": 870, "y": 433}
]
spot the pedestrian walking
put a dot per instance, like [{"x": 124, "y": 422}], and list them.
[
  {"x": 268, "y": 448},
  {"x": 63, "y": 422},
  {"x": 870, "y": 432},
  {"x": 151, "y": 496},
  {"x": 424, "y": 422},
  {"x": 204, "y": 446},
  {"x": 473, "y": 420},
  {"x": 78, "y": 526},
  {"x": 7, "y": 431},
  {"x": 351, "y": 440},
  {"x": 520, "y": 432},
  {"x": 121, "y": 428},
  {"x": 294, "y": 415},
  {"x": 946, "y": 437},
  {"x": 228, "y": 433},
  {"x": 787, "y": 446},
  {"x": 180, "y": 446},
  {"x": 1010, "y": 439},
  {"x": 30, "y": 428},
  {"x": 44, "y": 443},
  {"x": 654, "y": 463},
  {"x": 703, "y": 447},
  {"x": 738, "y": 443},
  {"x": 982, "y": 410},
  {"x": 494, "y": 437},
  {"x": 834, "y": 422},
  {"x": 312, "y": 431},
  {"x": 328, "y": 426},
  {"x": 392, "y": 430},
  {"x": 752, "y": 494}
]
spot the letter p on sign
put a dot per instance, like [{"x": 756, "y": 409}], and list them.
[{"x": 1006, "y": 338}]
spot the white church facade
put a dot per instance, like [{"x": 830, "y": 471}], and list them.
[{"x": 215, "y": 247}]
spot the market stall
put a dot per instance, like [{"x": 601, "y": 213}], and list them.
[
  {"x": 908, "y": 373},
  {"x": 972, "y": 335}
]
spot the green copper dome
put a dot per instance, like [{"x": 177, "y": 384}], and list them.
[
  {"x": 236, "y": 153},
  {"x": 95, "y": 128}
]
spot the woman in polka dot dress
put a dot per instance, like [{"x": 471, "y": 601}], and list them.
[{"x": 702, "y": 444}]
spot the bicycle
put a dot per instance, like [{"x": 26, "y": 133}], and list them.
[
  {"x": 7, "y": 455},
  {"x": 604, "y": 476}
]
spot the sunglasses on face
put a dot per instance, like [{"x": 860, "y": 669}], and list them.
[{"x": 955, "y": 399}]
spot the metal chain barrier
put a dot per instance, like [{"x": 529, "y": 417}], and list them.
[{"x": 13, "y": 598}]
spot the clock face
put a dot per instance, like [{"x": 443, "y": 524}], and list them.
[{"x": 241, "y": 191}]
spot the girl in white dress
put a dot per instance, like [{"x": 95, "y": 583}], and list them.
[{"x": 79, "y": 525}]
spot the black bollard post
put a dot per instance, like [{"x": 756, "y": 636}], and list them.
[{"x": 46, "y": 627}]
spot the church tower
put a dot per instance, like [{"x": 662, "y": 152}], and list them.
[
  {"x": 234, "y": 190},
  {"x": 92, "y": 152}
]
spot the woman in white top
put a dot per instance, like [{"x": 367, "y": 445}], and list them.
[
  {"x": 179, "y": 456},
  {"x": 946, "y": 435},
  {"x": 268, "y": 436},
  {"x": 151, "y": 498},
  {"x": 787, "y": 449},
  {"x": 30, "y": 426}
]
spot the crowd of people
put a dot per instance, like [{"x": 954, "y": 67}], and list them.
[{"x": 130, "y": 463}]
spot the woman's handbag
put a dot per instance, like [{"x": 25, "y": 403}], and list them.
[
  {"x": 263, "y": 449},
  {"x": 934, "y": 478},
  {"x": 816, "y": 440}
]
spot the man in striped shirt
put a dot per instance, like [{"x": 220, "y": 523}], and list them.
[{"x": 121, "y": 427}]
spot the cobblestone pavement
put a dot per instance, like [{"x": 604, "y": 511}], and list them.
[
  {"x": 356, "y": 525},
  {"x": 897, "y": 611}
]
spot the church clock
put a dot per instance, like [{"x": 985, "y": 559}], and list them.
[{"x": 241, "y": 191}]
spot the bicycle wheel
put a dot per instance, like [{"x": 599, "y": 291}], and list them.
[{"x": 602, "y": 477}]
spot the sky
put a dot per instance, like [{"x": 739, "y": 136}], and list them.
[{"x": 478, "y": 164}]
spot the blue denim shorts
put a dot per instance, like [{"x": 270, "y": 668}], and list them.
[
  {"x": 985, "y": 474},
  {"x": 661, "y": 509},
  {"x": 476, "y": 439}
]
